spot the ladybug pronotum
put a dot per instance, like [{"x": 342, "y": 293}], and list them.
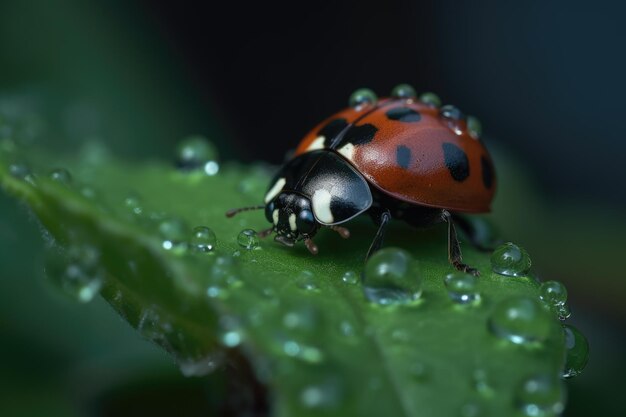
[{"x": 401, "y": 157}]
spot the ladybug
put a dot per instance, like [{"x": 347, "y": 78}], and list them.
[{"x": 403, "y": 157}]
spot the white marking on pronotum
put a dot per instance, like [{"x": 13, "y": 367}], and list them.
[
  {"x": 347, "y": 150},
  {"x": 275, "y": 190},
  {"x": 318, "y": 143},
  {"x": 292, "y": 222},
  {"x": 275, "y": 216},
  {"x": 321, "y": 206}
]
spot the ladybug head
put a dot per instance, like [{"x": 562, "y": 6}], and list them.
[{"x": 292, "y": 217}]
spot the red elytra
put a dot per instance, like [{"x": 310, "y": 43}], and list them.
[{"x": 428, "y": 159}]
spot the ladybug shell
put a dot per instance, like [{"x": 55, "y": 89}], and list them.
[{"x": 411, "y": 151}]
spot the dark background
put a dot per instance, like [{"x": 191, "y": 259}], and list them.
[{"x": 545, "y": 78}]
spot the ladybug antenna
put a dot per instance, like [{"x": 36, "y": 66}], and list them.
[{"x": 232, "y": 212}]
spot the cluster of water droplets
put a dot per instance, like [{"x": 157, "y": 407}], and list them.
[{"x": 526, "y": 320}]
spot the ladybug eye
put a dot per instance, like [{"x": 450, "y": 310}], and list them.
[
  {"x": 269, "y": 210},
  {"x": 305, "y": 221}
]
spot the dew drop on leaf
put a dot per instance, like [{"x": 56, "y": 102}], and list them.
[
  {"x": 134, "y": 204},
  {"x": 392, "y": 277},
  {"x": 307, "y": 281},
  {"x": 203, "y": 239},
  {"x": 62, "y": 176},
  {"x": 540, "y": 395},
  {"x": 76, "y": 271},
  {"x": 350, "y": 277},
  {"x": 174, "y": 232},
  {"x": 577, "y": 351},
  {"x": 197, "y": 152},
  {"x": 462, "y": 287},
  {"x": 554, "y": 294},
  {"x": 248, "y": 239},
  {"x": 521, "y": 320},
  {"x": 510, "y": 260}
]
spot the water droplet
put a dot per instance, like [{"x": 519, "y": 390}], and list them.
[
  {"x": 76, "y": 271},
  {"x": 462, "y": 287},
  {"x": 554, "y": 294},
  {"x": 474, "y": 127},
  {"x": 301, "y": 334},
  {"x": 350, "y": 277},
  {"x": 326, "y": 394},
  {"x": 174, "y": 232},
  {"x": 197, "y": 152},
  {"x": 201, "y": 366},
  {"x": 403, "y": 91},
  {"x": 541, "y": 395},
  {"x": 248, "y": 239},
  {"x": 232, "y": 332},
  {"x": 430, "y": 99},
  {"x": 451, "y": 112},
  {"x": 480, "y": 381},
  {"x": 363, "y": 96},
  {"x": 511, "y": 260},
  {"x": 134, "y": 204},
  {"x": 577, "y": 351},
  {"x": 471, "y": 409},
  {"x": 521, "y": 320},
  {"x": 22, "y": 171},
  {"x": 61, "y": 176},
  {"x": 223, "y": 275},
  {"x": 307, "y": 281},
  {"x": 203, "y": 239},
  {"x": 392, "y": 276}
]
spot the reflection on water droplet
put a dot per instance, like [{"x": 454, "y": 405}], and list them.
[
  {"x": 199, "y": 366},
  {"x": 362, "y": 97},
  {"x": 307, "y": 281},
  {"x": 22, "y": 171},
  {"x": 203, "y": 239},
  {"x": 134, "y": 204},
  {"x": 471, "y": 409},
  {"x": 300, "y": 334},
  {"x": 577, "y": 351},
  {"x": 403, "y": 91},
  {"x": 197, "y": 152},
  {"x": 392, "y": 277},
  {"x": 511, "y": 260},
  {"x": 248, "y": 239},
  {"x": 174, "y": 232},
  {"x": 462, "y": 288},
  {"x": 521, "y": 320},
  {"x": 350, "y": 277},
  {"x": 480, "y": 381},
  {"x": 325, "y": 394},
  {"x": 232, "y": 332},
  {"x": 430, "y": 99},
  {"x": 76, "y": 271},
  {"x": 541, "y": 395},
  {"x": 223, "y": 275},
  {"x": 474, "y": 127},
  {"x": 554, "y": 294},
  {"x": 61, "y": 176}
]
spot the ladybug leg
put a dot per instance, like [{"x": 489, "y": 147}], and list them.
[
  {"x": 312, "y": 247},
  {"x": 343, "y": 232},
  {"x": 454, "y": 248},
  {"x": 383, "y": 221},
  {"x": 479, "y": 231},
  {"x": 265, "y": 233}
]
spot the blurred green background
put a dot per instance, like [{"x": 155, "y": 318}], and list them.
[{"x": 138, "y": 76}]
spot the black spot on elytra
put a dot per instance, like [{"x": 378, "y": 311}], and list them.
[
  {"x": 487, "y": 169},
  {"x": 359, "y": 135},
  {"x": 403, "y": 156},
  {"x": 456, "y": 161},
  {"x": 332, "y": 129},
  {"x": 403, "y": 114}
]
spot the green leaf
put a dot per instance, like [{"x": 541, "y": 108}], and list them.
[{"x": 310, "y": 336}]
